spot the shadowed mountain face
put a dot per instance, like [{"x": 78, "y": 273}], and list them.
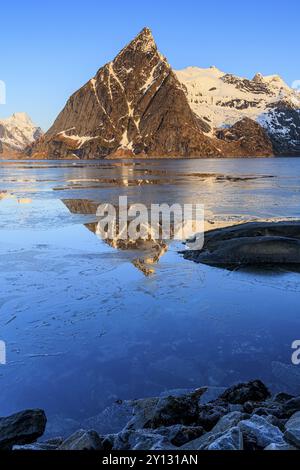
[{"x": 134, "y": 106}]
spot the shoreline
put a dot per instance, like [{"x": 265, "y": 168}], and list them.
[
  {"x": 143, "y": 158},
  {"x": 245, "y": 416}
]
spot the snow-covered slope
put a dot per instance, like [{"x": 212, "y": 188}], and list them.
[
  {"x": 17, "y": 132},
  {"x": 222, "y": 99}
]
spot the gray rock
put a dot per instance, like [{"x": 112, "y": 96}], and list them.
[
  {"x": 50, "y": 444},
  {"x": 279, "y": 423},
  {"x": 236, "y": 407},
  {"x": 141, "y": 439},
  {"x": 112, "y": 419},
  {"x": 259, "y": 432},
  {"x": 232, "y": 439},
  {"x": 282, "y": 397},
  {"x": 291, "y": 406},
  {"x": 284, "y": 446},
  {"x": 253, "y": 243},
  {"x": 229, "y": 421},
  {"x": 294, "y": 421},
  {"x": 202, "y": 442},
  {"x": 82, "y": 440},
  {"x": 37, "y": 446},
  {"x": 292, "y": 433},
  {"x": 179, "y": 435},
  {"x": 250, "y": 391},
  {"x": 293, "y": 437},
  {"x": 166, "y": 411},
  {"x": 210, "y": 414},
  {"x": 24, "y": 427}
]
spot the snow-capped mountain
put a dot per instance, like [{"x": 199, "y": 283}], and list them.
[
  {"x": 222, "y": 99},
  {"x": 16, "y": 133},
  {"x": 136, "y": 105}
]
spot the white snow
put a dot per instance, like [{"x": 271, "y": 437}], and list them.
[
  {"x": 19, "y": 131},
  {"x": 222, "y": 104},
  {"x": 81, "y": 140}
]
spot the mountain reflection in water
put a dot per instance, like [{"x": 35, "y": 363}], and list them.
[{"x": 149, "y": 250}]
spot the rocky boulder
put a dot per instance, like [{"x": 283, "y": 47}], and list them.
[
  {"x": 24, "y": 427},
  {"x": 258, "y": 433},
  {"x": 292, "y": 433},
  {"x": 241, "y": 393},
  {"x": 166, "y": 411},
  {"x": 83, "y": 440},
  {"x": 254, "y": 243}
]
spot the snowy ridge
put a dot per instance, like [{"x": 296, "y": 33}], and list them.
[
  {"x": 223, "y": 99},
  {"x": 18, "y": 131}
]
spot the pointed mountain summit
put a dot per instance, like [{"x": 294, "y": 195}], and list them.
[
  {"x": 134, "y": 105},
  {"x": 16, "y": 133}
]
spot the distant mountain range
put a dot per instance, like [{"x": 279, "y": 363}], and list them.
[
  {"x": 137, "y": 105},
  {"x": 16, "y": 133},
  {"x": 223, "y": 99}
]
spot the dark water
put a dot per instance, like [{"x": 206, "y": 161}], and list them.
[{"x": 84, "y": 326}]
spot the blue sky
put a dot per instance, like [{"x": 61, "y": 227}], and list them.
[{"x": 49, "y": 49}]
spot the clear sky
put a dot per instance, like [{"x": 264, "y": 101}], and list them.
[{"x": 49, "y": 49}]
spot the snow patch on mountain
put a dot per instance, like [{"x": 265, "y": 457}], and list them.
[
  {"x": 17, "y": 132},
  {"x": 223, "y": 99}
]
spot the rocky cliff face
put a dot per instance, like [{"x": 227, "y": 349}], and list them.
[
  {"x": 134, "y": 106},
  {"x": 248, "y": 136},
  {"x": 16, "y": 133}
]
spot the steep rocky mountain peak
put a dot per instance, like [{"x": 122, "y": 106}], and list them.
[{"x": 134, "y": 105}]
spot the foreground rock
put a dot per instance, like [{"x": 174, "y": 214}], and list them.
[
  {"x": 292, "y": 433},
  {"x": 259, "y": 433},
  {"x": 82, "y": 440},
  {"x": 257, "y": 243},
  {"x": 243, "y": 417},
  {"x": 230, "y": 440},
  {"x": 166, "y": 411},
  {"x": 22, "y": 428}
]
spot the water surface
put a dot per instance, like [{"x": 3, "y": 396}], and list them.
[{"x": 84, "y": 326}]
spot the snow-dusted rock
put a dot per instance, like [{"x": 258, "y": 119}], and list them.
[
  {"x": 223, "y": 99},
  {"x": 16, "y": 133}
]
